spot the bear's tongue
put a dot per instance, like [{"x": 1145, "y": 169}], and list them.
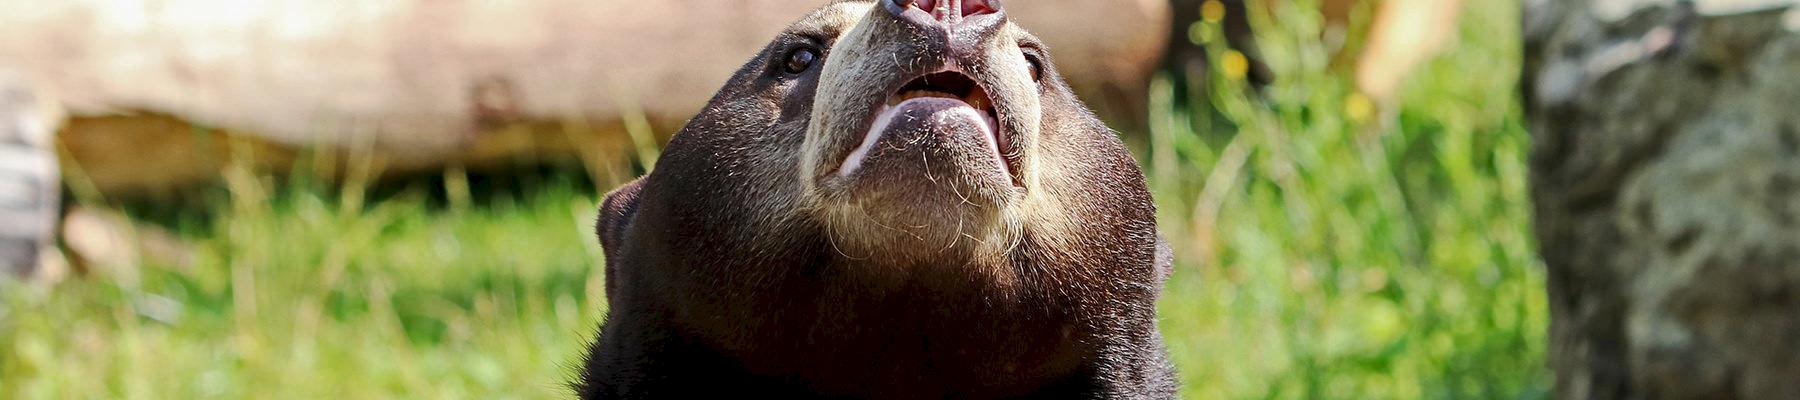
[{"x": 944, "y": 118}]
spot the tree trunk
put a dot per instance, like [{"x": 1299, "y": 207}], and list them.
[
  {"x": 28, "y": 181},
  {"x": 1666, "y": 176}
]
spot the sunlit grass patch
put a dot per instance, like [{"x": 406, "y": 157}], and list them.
[
  {"x": 300, "y": 297},
  {"x": 1329, "y": 249}
]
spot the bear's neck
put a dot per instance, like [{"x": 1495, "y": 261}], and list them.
[{"x": 830, "y": 321}]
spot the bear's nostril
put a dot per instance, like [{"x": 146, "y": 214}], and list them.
[
  {"x": 952, "y": 10},
  {"x": 972, "y": 8},
  {"x": 929, "y": 6},
  {"x": 902, "y": 5}
]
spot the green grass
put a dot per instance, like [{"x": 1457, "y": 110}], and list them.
[
  {"x": 299, "y": 297},
  {"x": 1327, "y": 254},
  {"x": 1324, "y": 252}
]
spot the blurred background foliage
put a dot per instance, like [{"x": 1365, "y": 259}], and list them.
[
  {"x": 1336, "y": 248},
  {"x": 1328, "y": 246}
]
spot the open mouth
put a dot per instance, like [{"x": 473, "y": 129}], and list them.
[
  {"x": 948, "y": 86},
  {"x": 955, "y": 86}
]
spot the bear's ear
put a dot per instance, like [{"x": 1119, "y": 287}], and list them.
[{"x": 616, "y": 214}]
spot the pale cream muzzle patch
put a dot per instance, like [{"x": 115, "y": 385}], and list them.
[{"x": 856, "y": 102}]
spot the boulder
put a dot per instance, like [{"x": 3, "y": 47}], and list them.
[
  {"x": 29, "y": 189},
  {"x": 1666, "y": 177}
]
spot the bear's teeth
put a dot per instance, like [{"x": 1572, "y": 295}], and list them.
[
  {"x": 918, "y": 94},
  {"x": 978, "y": 100}
]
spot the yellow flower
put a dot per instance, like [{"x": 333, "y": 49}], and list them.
[
  {"x": 1212, "y": 11},
  {"x": 1359, "y": 107},
  {"x": 1235, "y": 65}
]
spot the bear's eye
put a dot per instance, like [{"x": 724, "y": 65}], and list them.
[
  {"x": 1037, "y": 67},
  {"x": 801, "y": 59}
]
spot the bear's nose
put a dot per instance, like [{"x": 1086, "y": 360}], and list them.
[{"x": 950, "y": 12}]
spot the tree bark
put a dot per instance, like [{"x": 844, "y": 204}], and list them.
[{"x": 1666, "y": 176}]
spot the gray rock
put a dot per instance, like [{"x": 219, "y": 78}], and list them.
[
  {"x": 29, "y": 187},
  {"x": 1666, "y": 176}
]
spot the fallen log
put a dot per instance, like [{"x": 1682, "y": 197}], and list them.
[{"x": 163, "y": 94}]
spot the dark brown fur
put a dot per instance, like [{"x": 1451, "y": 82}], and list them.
[{"x": 723, "y": 280}]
